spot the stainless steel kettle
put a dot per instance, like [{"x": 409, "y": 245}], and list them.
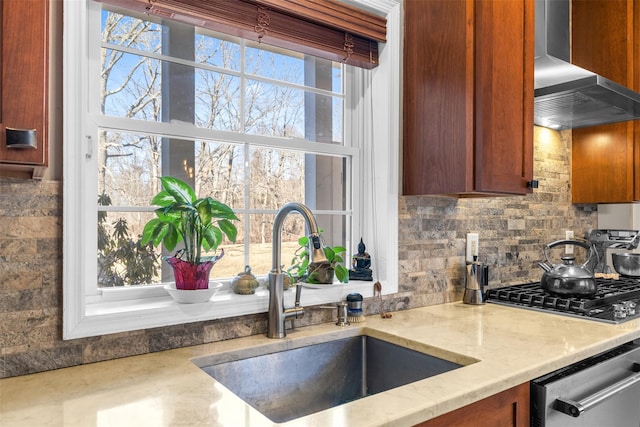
[
  {"x": 568, "y": 278},
  {"x": 476, "y": 278}
]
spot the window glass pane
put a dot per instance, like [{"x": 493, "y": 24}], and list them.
[
  {"x": 220, "y": 172},
  {"x": 227, "y": 267},
  {"x": 279, "y": 66},
  {"x": 324, "y": 118},
  {"x": 277, "y": 177},
  {"x": 337, "y": 77},
  {"x": 130, "y": 32},
  {"x": 324, "y": 182},
  {"x": 217, "y": 52},
  {"x": 122, "y": 261},
  {"x": 132, "y": 89},
  {"x": 217, "y": 100},
  {"x": 131, "y": 165},
  {"x": 274, "y": 110},
  {"x": 233, "y": 261},
  {"x": 280, "y": 176},
  {"x": 128, "y": 167},
  {"x": 333, "y": 230},
  {"x": 130, "y": 85},
  {"x": 129, "y": 177},
  {"x": 337, "y": 120},
  {"x": 260, "y": 256}
]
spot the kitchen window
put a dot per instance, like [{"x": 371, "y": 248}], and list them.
[
  {"x": 187, "y": 102},
  {"x": 270, "y": 132}
]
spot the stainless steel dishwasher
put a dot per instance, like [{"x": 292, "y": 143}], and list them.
[{"x": 603, "y": 390}]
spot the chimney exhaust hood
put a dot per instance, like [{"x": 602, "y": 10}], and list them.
[{"x": 567, "y": 96}]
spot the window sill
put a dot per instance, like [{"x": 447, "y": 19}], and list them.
[{"x": 116, "y": 311}]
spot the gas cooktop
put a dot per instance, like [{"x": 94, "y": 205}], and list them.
[{"x": 615, "y": 300}]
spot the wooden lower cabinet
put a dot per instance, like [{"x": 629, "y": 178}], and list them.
[{"x": 508, "y": 408}]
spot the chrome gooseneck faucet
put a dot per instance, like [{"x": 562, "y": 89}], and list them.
[{"x": 277, "y": 313}]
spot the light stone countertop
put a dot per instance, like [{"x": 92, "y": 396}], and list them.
[{"x": 511, "y": 346}]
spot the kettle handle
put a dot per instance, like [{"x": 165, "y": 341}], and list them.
[{"x": 575, "y": 242}]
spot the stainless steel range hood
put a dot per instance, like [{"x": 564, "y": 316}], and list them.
[{"x": 567, "y": 96}]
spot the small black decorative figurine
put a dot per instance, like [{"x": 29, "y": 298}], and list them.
[{"x": 361, "y": 263}]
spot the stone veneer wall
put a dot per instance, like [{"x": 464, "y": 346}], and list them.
[
  {"x": 512, "y": 230},
  {"x": 432, "y": 234}
]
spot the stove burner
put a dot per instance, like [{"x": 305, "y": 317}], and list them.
[{"x": 600, "y": 307}]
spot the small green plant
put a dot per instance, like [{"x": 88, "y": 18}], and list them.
[
  {"x": 199, "y": 223},
  {"x": 299, "y": 269}
]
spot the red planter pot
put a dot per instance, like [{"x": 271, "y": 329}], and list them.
[{"x": 190, "y": 276}]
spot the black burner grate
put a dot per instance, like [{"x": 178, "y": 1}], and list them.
[{"x": 610, "y": 291}]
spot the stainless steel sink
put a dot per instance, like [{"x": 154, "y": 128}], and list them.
[{"x": 287, "y": 384}]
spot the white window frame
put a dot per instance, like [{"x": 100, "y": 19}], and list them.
[{"x": 372, "y": 123}]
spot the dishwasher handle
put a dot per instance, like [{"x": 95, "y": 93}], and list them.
[{"x": 573, "y": 408}]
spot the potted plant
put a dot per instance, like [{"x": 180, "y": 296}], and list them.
[
  {"x": 199, "y": 223},
  {"x": 301, "y": 270}
]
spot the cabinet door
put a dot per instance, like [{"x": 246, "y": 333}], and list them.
[
  {"x": 438, "y": 97},
  {"x": 508, "y": 408},
  {"x": 24, "y": 80},
  {"x": 504, "y": 46},
  {"x": 603, "y": 163},
  {"x": 468, "y": 97}
]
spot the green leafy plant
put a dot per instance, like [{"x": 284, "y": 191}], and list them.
[
  {"x": 299, "y": 269},
  {"x": 199, "y": 223}
]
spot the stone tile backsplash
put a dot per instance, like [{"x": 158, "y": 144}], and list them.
[{"x": 432, "y": 233}]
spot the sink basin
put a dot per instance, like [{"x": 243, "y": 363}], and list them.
[{"x": 287, "y": 384}]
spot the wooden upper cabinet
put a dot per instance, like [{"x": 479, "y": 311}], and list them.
[
  {"x": 468, "y": 97},
  {"x": 605, "y": 158},
  {"x": 24, "y": 84}
]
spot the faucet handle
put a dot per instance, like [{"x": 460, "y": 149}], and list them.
[{"x": 298, "y": 294}]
